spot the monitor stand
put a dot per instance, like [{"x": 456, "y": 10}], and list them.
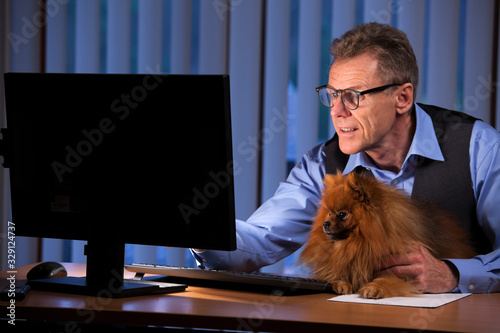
[{"x": 105, "y": 262}]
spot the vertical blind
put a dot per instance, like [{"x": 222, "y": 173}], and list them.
[{"x": 276, "y": 53}]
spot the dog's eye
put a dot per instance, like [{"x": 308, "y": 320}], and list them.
[{"x": 342, "y": 215}]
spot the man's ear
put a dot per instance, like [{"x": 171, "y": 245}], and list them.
[{"x": 404, "y": 98}]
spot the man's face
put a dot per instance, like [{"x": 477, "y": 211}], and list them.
[{"x": 367, "y": 127}]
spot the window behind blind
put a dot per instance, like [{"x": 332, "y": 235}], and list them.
[{"x": 276, "y": 52}]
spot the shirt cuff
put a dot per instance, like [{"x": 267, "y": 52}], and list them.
[
  {"x": 198, "y": 258},
  {"x": 470, "y": 278},
  {"x": 209, "y": 259}
]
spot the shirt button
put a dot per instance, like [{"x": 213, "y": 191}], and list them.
[
  {"x": 471, "y": 286},
  {"x": 395, "y": 182}
]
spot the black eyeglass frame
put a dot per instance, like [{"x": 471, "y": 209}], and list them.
[{"x": 358, "y": 93}]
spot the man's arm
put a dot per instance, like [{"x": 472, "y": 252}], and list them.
[
  {"x": 480, "y": 274},
  {"x": 280, "y": 226},
  {"x": 422, "y": 269}
]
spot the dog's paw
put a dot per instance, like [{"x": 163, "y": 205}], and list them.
[
  {"x": 372, "y": 290},
  {"x": 342, "y": 287},
  {"x": 390, "y": 286}
]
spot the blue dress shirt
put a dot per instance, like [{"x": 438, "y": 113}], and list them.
[{"x": 281, "y": 225}]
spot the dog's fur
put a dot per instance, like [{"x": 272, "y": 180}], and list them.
[{"x": 361, "y": 221}]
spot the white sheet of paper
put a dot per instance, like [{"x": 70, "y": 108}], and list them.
[{"x": 420, "y": 301}]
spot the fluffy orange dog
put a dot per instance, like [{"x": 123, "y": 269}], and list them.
[{"x": 361, "y": 221}]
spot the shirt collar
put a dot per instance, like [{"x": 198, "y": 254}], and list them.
[{"x": 424, "y": 144}]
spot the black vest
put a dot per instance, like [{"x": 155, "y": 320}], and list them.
[{"x": 447, "y": 183}]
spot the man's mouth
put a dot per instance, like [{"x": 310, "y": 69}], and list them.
[{"x": 347, "y": 129}]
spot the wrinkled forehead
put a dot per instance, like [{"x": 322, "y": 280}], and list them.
[{"x": 355, "y": 73}]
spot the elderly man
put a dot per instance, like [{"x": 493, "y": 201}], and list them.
[{"x": 441, "y": 155}]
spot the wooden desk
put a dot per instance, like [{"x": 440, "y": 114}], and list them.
[{"x": 225, "y": 309}]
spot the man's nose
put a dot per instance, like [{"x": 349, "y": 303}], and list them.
[{"x": 339, "y": 109}]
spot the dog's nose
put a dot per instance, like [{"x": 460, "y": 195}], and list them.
[{"x": 326, "y": 224}]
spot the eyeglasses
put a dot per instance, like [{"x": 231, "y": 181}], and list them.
[{"x": 328, "y": 95}]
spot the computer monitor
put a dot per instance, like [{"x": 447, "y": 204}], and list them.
[{"x": 120, "y": 158}]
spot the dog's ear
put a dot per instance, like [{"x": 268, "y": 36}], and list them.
[
  {"x": 331, "y": 181},
  {"x": 359, "y": 187}
]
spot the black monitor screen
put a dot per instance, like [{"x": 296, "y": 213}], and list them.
[{"x": 144, "y": 159}]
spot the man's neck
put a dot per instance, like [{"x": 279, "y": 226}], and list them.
[{"x": 392, "y": 153}]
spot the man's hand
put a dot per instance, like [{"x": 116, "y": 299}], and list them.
[{"x": 422, "y": 269}]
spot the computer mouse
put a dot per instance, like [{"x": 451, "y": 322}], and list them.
[{"x": 46, "y": 270}]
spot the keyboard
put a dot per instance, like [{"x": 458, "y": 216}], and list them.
[{"x": 231, "y": 279}]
